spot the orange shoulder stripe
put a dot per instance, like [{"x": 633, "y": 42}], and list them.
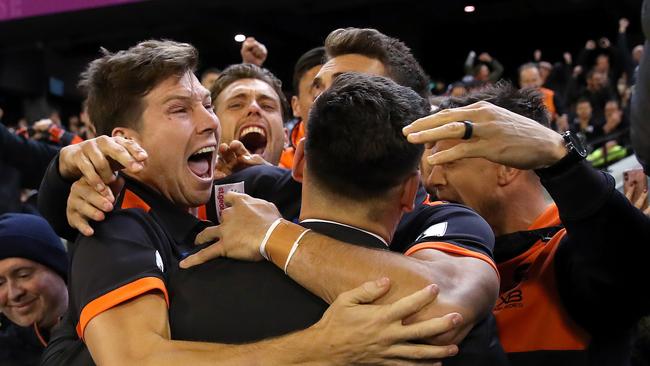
[
  {"x": 131, "y": 200},
  {"x": 452, "y": 249},
  {"x": 116, "y": 297}
]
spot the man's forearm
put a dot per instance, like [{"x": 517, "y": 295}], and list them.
[
  {"x": 293, "y": 349},
  {"x": 52, "y": 201},
  {"x": 328, "y": 267}
]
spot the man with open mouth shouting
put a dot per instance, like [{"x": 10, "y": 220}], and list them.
[{"x": 251, "y": 108}]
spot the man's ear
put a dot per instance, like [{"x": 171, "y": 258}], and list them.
[
  {"x": 506, "y": 174},
  {"x": 298, "y": 168},
  {"x": 409, "y": 191},
  {"x": 127, "y": 133},
  {"x": 295, "y": 106}
]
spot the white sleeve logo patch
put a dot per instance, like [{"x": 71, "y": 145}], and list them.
[
  {"x": 159, "y": 262},
  {"x": 439, "y": 229}
]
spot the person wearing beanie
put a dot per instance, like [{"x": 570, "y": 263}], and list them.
[{"x": 33, "y": 291}]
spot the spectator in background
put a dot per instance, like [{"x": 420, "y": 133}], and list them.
[
  {"x": 304, "y": 72},
  {"x": 209, "y": 76},
  {"x": 630, "y": 59},
  {"x": 597, "y": 90},
  {"x": 615, "y": 120},
  {"x": 486, "y": 70},
  {"x": 74, "y": 124},
  {"x": 23, "y": 162},
  {"x": 556, "y": 76},
  {"x": 585, "y": 124},
  {"x": 33, "y": 292},
  {"x": 87, "y": 129},
  {"x": 457, "y": 89},
  {"x": 529, "y": 77}
]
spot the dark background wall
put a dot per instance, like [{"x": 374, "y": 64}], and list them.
[{"x": 39, "y": 50}]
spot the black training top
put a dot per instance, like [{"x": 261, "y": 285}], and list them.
[{"x": 134, "y": 251}]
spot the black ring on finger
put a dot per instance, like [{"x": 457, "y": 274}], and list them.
[{"x": 469, "y": 129}]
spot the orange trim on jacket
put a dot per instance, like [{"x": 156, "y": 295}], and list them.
[
  {"x": 548, "y": 95},
  {"x": 452, "y": 249},
  {"x": 529, "y": 312},
  {"x": 131, "y": 200},
  {"x": 118, "y": 296}
]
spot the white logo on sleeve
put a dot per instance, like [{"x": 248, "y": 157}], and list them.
[
  {"x": 439, "y": 229},
  {"x": 159, "y": 262}
]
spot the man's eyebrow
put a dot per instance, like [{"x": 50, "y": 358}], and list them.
[
  {"x": 266, "y": 97},
  {"x": 237, "y": 96},
  {"x": 182, "y": 97}
]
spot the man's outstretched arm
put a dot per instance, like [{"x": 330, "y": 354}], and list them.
[{"x": 350, "y": 332}]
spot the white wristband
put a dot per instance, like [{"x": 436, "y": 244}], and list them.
[
  {"x": 266, "y": 238},
  {"x": 294, "y": 248}
]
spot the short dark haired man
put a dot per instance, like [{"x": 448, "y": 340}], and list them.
[
  {"x": 386, "y": 55},
  {"x": 252, "y": 108},
  {"x": 126, "y": 298},
  {"x": 559, "y": 270},
  {"x": 304, "y": 72},
  {"x": 33, "y": 292}
]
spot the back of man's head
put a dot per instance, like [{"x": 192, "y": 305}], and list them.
[
  {"x": 396, "y": 57},
  {"x": 236, "y": 72},
  {"x": 526, "y": 102},
  {"x": 116, "y": 82},
  {"x": 355, "y": 147}
]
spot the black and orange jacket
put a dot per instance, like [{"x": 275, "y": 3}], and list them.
[
  {"x": 134, "y": 251},
  {"x": 570, "y": 285},
  {"x": 297, "y": 133}
]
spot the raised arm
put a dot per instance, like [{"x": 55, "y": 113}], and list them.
[
  {"x": 606, "y": 243},
  {"x": 29, "y": 157}
]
